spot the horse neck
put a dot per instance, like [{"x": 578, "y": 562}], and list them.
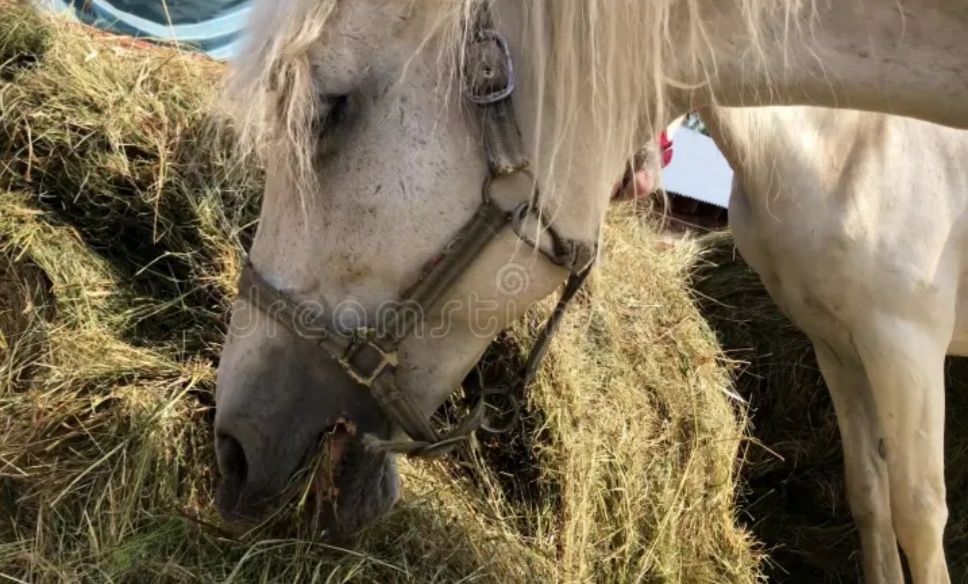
[
  {"x": 574, "y": 197},
  {"x": 862, "y": 54},
  {"x": 772, "y": 148}
]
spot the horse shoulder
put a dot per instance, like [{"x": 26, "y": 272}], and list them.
[{"x": 844, "y": 214}]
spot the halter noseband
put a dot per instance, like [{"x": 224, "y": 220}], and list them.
[{"x": 368, "y": 356}]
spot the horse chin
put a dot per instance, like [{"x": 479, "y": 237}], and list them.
[
  {"x": 239, "y": 515},
  {"x": 368, "y": 487}
]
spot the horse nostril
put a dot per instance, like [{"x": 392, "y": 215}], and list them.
[{"x": 231, "y": 459}]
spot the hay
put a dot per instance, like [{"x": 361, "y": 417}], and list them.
[
  {"x": 636, "y": 407},
  {"x": 122, "y": 225},
  {"x": 794, "y": 485}
]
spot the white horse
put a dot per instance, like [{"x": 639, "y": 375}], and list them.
[
  {"x": 857, "y": 223},
  {"x": 374, "y": 163}
]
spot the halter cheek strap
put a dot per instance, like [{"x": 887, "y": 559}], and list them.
[{"x": 370, "y": 357}]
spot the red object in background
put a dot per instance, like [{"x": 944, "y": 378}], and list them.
[
  {"x": 665, "y": 148},
  {"x": 643, "y": 176}
]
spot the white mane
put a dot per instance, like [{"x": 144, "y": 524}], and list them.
[{"x": 610, "y": 63}]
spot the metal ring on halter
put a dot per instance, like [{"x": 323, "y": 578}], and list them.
[
  {"x": 518, "y": 217},
  {"x": 558, "y": 254},
  {"x": 491, "y": 179},
  {"x": 514, "y": 409},
  {"x": 564, "y": 252}
]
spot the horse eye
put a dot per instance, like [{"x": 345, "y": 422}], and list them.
[{"x": 333, "y": 112}]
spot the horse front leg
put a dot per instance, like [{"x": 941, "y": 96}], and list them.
[
  {"x": 904, "y": 361},
  {"x": 868, "y": 485}
]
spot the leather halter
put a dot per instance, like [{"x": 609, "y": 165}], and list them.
[{"x": 369, "y": 356}]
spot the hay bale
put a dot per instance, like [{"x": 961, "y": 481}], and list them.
[
  {"x": 24, "y": 299},
  {"x": 23, "y": 39},
  {"x": 131, "y": 219},
  {"x": 641, "y": 436},
  {"x": 113, "y": 140},
  {"x": 794, "y": 484}
]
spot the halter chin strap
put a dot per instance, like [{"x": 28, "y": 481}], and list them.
[{"x": 369, "y": 356}]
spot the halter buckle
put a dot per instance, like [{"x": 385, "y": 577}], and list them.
[
  {"x": 488, "y": 70},
  {"x": 365, "y": 360}
]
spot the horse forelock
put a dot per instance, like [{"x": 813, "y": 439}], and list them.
[{"x": 270, "y": 94}]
